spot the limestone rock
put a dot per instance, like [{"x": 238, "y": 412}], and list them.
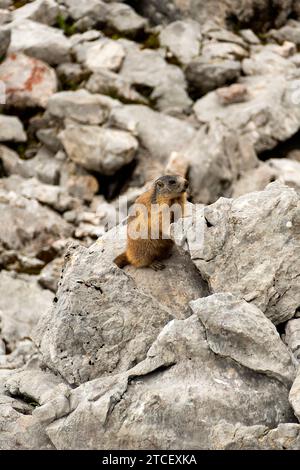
[
  {"x": 236, "y": 93},
  {"x": 181, "y": 380},
  {"x": 28, "y": 229},
  {"x": 43, "y": 166},
  {"x": 226, "y": 319},
  {"x": 99, "y": 149},
  {"x": 29, "y": 82},
  {"x": 93, "y": 8},
  {"x": 255, "y": 179},
  {"x": 217, "y": 158},
  {"x": 50, "y": 274},
  {"x": 158, "y": 133},
  {"x": 182, "y": 39},
  {"x": 103, "y": 339},
  {"x": 227, "y": 436},
  {"x": 11, "y": 128},
  {"x": 215, "y": 50},
  {"x": 40, "y": 41},
  {"x": 42, "y": 11},
  {"x": 269, "y": 116},
  {"x": 124, "y": 19},
  {"x": 24, "y": 424},
  {"x": 289, "y": 32},
  {"x": 248, "y": 246},
  {"x": 83, "y": 187},
  {"x": 53, "y": 196},
  {"x": 267, "y": 60},
  {"x": 110, "y": 83},
  {"x": 288, "y": 171},
  {"x": 20, "y": 313},
  {"x": 101, "y": 54},
  {"x": 81, "y": 106},
  {"x": 206, "y": 75},
  {"x": 164, "y": 83}
]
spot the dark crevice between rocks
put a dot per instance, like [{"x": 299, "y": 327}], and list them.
[
  {"x": 3, "y": 173},
  {"x": 8, "y": 349},
  {"x": 28, "y": 149},
  {"x": 141, "y": 36},
  {"x": 281, "y": 328},
  {"x": 151, "y": 374},
  {"x": 66, "y": 25},
  {"x": 25, "y": 398},
  {"x": 261, "y": 20},
  {"x": 112, "y": 186},
  {"x": 163, "y": 12},
  {"x": 282, "y": 149},
  {"x": 195, "y": 92}
]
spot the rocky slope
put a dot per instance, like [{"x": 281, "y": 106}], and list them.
[{"x": 100, "y": 98}]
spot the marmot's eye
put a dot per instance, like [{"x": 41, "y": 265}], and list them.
[{"x": 172, "y": 181}]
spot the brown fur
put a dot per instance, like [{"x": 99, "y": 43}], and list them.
[{"x": 145, "y": 252}]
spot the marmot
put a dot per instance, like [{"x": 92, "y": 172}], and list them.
[{"x": 168, "y": 191}]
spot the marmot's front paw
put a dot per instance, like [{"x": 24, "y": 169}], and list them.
[{"x": 157, "y": 266}]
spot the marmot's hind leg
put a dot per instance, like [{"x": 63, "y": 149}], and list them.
[
  {"x": 157, "y": 266},
  {"x": 121, "y": 261}
]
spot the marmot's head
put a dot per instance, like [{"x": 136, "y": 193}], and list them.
[{"x": 170, "y": 185}]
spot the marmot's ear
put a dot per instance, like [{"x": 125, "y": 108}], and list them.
[{"x": 160, "y": 184}]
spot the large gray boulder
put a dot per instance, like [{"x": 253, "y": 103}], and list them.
[
  {"x": 182, "y": 380},
  {"x": 111, "y": 331},
  {"x": 102, "y": 340},
  {"x": 39, "y": 40},
  {"x": 248, "y": 246},
  {"x": 81, "y": 106},
  {"x": 99, "y": 149},
  {"x": 262, "y": 347}
]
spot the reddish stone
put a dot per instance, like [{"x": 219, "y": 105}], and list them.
[{"x": 29, "y": 81}]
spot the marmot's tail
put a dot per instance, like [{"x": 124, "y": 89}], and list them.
[{"x": 121, "y": 260}]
